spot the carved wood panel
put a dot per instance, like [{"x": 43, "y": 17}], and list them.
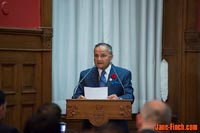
[
  {"x": 21, "y": 81},
  {"x": 192, "y": 85},
  {"x": 25, "y": 71},
  {"x": 171, "y": 42},
  {"x": 181, "y": 47}
]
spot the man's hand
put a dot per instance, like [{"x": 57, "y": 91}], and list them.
[
  {"x": 113, "y": 97},
  {"x": 81, "y": 97}
]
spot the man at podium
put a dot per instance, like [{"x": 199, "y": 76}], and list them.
[{"x": 105, "y": 74}]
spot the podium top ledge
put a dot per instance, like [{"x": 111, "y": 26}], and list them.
[{"x": 103, "y": 100}]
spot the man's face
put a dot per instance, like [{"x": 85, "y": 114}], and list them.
[
  {"x": 102, "y": 57},
  {"x": 2, "y": 111}
]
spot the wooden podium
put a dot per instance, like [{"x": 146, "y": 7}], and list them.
[{"x": 98, "y": 112}]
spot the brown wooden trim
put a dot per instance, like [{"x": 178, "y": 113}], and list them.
[
  {"x": 191, "y": 14},
  {"x": 46, "y": 77},
  {"x": 25, "y": 50},
  {"x": 169, "y": 52},
  {"x": 34, "y": 40},
  {"x": 46, "y": 13},
  {"x": 20, "y": 31},
  {"x": 47, "y": 37}
]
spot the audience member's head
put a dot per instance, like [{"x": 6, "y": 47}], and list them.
[
  {"x": 2, "y": 105},
  {"x": 45, "y": 120},
  {"x": 110, "y": 128},
  {"x": 50, "y": 108},
  {"x": 42, "y": 123},
  {"x": 153, "y": 112}
]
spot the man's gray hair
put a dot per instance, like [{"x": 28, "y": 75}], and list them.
[
  {"x": 107, "y": 45},
  {"x": 160, "y": 115}
]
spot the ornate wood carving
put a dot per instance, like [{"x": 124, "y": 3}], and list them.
[
  {"x": 47, "y": 38},
  {"x": 192, "y": 41},
  {"x": 125, "y": 111},
  {"x": 72, "y": 110},
  {"x": 99, "y": 112}
]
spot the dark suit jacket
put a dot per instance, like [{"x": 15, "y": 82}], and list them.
[
  {"x": 147, "y": 131},
  {"x": 124, "y": 90},
  {"x": 6, "y": 129}
]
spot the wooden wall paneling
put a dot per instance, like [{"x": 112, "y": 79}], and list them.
[
  {"x": 21, "y": 83},
  {"x": 182, "y": 98},
  {"x": 25, "y": 71},
  {"x": 191, "y": 60},
  {"x": 47, "y": 61},
  {"x": 13, "y": 109},
  {"x": 31, "y": 89},
  {"x": 8, "y": 77},
  {"x": 46, "y": 13},
  {"x": 192, "y": 76},
  {"x": 198, "y": 89},
  {"x": 192, "y": 84},
  {"x": 181, "y": 47},
  {"x": 172, "y": 37},
  {"x": 191, "y": 14},
  {"x": 171, "y": 24}
]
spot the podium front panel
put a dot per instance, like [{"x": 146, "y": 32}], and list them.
[{"x": 98, "y": 112}]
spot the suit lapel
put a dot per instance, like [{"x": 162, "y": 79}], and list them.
[
  {"x": 109, "y": 81},
  {"x": 95, "y": 77}
]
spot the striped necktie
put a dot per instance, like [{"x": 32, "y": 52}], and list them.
[{"x": 102, "y": 81}]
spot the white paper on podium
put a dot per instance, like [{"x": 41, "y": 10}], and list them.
[{"x": 96, "y": 92}]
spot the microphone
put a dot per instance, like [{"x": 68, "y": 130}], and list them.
[
  {"x": 119, "y": 79},
  {"x": 75, "y": 89}
]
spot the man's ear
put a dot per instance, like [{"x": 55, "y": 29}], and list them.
[
  {"x": 111, "y": 57},
  {"x": 138, "y": 120},
  {"x": 1, "y": 111}
]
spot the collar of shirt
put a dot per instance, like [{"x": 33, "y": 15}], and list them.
[{"x": 107, "y": 72}]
